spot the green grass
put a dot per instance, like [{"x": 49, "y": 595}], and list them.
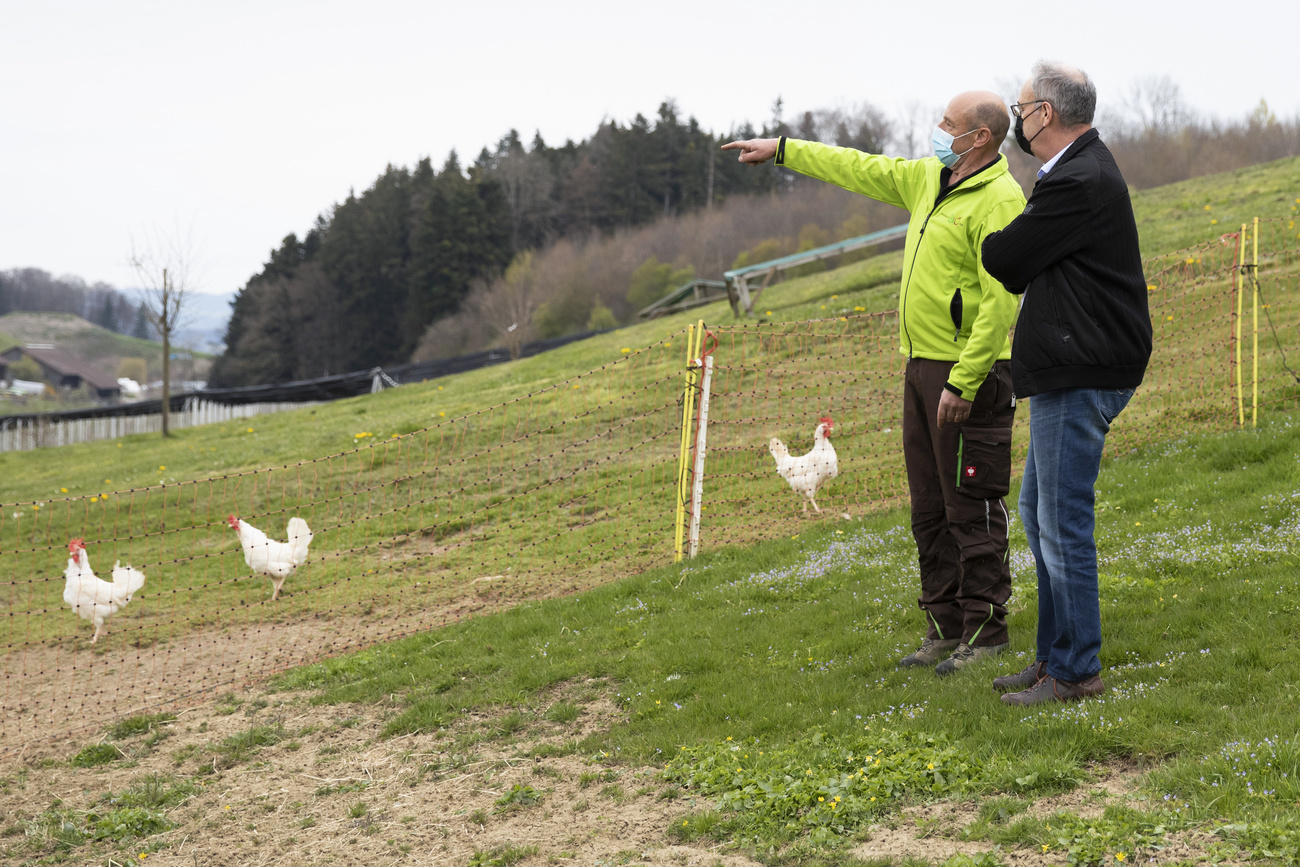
[{"x": 751, "y": 649}]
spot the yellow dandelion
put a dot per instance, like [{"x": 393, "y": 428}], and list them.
[
  {"x": 1207, "y": 207},
  {"x": 859, "y": 309},
  {"x": 63, "y": 490},
  {"x": 683, "y": 823},
  {"x": 442, "y": 415},
  {"x": 823, "y": 306},
  {"x": 576, "y": 385},
  {"x": 1151, "y": 287},
  {"x": 833, "y": 297},
  {"x": 440, "y": 388},
  {"x": 768, "y": 313},
  {"x": 108, "y": 481},
  {"x": 249, "y": 430},
  {"x": 1169, "y": 319},
  {"x": 1189, "y": 261},
  {"x": 820, "y": 799},
  {"x": 930, "y": 767},
  {"x": 1137, "y": 523},
  {"x": 728, "y": 737},
  {"x": 94, "y": 499},
  {"x": 1045, "y": 847},
  {"x": 119, "y": 445},
  {"x": 161, "y": 468},
  {"x": 873, "y": 797},
  {"x": 625, "y": 350},
  {"x": 1119, "y": 856}
]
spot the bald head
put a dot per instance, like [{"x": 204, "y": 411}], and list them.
[{"x": 980, "y": 108}]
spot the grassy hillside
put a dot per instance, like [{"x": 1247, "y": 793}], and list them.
[
  {"x": 542, "y": 476},
  {"x": 777, "y": 662},
  {"x": 97, "y": 346}
]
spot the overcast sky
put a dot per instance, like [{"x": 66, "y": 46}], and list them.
[{"x": 240, "y": 122}]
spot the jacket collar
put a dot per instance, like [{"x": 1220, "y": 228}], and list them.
[
  {"x": 1077, "y": 146},
  {"x": 982, "y": 175}
]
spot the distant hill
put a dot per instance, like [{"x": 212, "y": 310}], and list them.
[{"x": 96, "y": 346}]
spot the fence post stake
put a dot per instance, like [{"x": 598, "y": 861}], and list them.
[
  {"x": 1254, "y": 373},
  {"x": 688, "y": 392},
  {"x": 701, "y": 440},
  {"x": 1241, "y": 264}
]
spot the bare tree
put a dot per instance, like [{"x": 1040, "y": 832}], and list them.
[
  {"x": 1156, "y": 102},
  {"x": 916, "y": 120},
  {"x": 165, "y": 267},
  {"x": 509, "y": 302}
]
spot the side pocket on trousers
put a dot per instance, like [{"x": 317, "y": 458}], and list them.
[{"x": 984, "y": 461}]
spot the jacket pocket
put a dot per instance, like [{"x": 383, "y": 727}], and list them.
[
  {"x": 984, "y": 461},
  {"x": 955, "y": 312}
]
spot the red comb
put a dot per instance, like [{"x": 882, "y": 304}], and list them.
[{"x": 825, "y": 419}]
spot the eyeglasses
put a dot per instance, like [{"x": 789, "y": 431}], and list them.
[{"x": 1015, "y": 109}]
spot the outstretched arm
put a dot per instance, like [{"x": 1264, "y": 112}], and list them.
[{"x": 754, "y": 151}]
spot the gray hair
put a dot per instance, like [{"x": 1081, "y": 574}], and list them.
[{"x": 1068, "y": 89}]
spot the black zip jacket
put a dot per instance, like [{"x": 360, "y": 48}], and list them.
[{"x": 1074, "y": 255}]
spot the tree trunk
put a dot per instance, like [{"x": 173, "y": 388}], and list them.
[{"x": 167, "y": 362}]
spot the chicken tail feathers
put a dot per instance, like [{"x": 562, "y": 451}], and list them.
[
  {"x": 299, "y": 538},
  {"x": 126, "y": 582}
]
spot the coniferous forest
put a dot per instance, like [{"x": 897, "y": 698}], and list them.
[{"x": 367, "y": 280}]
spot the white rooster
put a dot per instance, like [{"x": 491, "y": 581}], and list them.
[
  {"x": 91, "y": 598},
  {"x": 275, "y": 559},
  {"x": 807, "y": 473}
]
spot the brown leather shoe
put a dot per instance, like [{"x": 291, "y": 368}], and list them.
[
  {"x": 1049, "y": 689},
  {"x": 1021, "y": 679}
]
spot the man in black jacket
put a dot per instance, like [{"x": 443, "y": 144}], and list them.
[{"x": 1082, "y": 342}]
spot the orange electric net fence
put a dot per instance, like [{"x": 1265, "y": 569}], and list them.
[{"x": 602, "y": 475}]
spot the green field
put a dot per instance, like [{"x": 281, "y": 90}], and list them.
[
  {"x": 557, "y": 474},
  {"x": 789, "y": 648},
  {"x": 547, "y": 475}
]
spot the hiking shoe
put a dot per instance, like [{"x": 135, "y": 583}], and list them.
[
  {"x": 967, "y": 655},
  {"x": 1050, "y": 689},
  {"x": 930, "y": 652},
  {"x": 1021, "y": 679}
]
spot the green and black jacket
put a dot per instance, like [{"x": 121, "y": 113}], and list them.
[{"x": 950, "y": 308}]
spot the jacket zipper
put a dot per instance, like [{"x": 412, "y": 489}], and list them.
[{"x": 919, "y": 238}]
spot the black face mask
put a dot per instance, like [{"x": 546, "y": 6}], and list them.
[{"x": 1020, "y": 136}]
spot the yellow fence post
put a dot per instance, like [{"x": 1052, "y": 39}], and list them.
[
  {"x": 1241, "y": 264},
  {"x": 1254, "y": 282},
  {"x": 688, "y": 393}
]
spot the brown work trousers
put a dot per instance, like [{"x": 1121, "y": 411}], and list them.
[{"x": 958, "y": 477}]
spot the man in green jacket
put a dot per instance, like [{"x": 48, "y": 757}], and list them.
[{"x": 957, "y": 400}]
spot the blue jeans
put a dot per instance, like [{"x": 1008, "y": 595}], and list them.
[{"x": 1067, "y": 430}]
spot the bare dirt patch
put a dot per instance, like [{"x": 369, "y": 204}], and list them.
[{"x": 333, "y": 791}]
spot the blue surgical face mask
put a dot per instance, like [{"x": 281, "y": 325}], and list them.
[{"x": 942, "y": 141}]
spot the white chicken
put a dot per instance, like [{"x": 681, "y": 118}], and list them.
[
  {"x": 94, "y": 599},
  {"x": 807, "y": 473},
  {"x": 278, "y": 560}
]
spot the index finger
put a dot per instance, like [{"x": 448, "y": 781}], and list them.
[{"x": 731, "y": 146}]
